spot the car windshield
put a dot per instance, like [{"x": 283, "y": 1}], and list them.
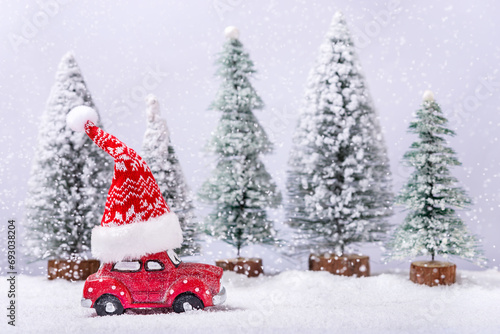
[{"x": 176, "y": 260}]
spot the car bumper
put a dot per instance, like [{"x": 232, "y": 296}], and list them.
[
  {"x": 219, "y": 298},
  {"x": 86, "y": 302}
]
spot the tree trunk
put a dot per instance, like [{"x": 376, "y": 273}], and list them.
[
  {"x": 433, "y": 273},
  {"x": 72, "y": 270},
  {"x": 344, "y": 265},
  {"x": 252, "y": 267}
]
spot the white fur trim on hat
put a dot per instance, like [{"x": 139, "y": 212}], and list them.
[{"x": 132, "y": 241}]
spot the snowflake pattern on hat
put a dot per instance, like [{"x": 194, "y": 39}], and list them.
[{"x": 134, "y": 195}]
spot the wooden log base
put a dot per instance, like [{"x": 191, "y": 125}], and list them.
[
  {"x": 72, "y": 270},
  {"x": 252, "y": 267},
  {"x": 344, "y": 265},
  {"x": 433, "y": 273}
]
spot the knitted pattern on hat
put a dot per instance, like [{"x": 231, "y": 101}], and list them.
[{"x": 136, "y": 220}]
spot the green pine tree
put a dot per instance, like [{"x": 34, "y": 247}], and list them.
[
  {"x": 431, "y": 196},
  {"x": 240, "y": 188},
  {"x": 70, "y": 176},
  {"x": 161, "y": 158},
  {"x": 339, "y": 180}
]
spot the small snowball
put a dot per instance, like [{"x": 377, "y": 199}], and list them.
[
  {"x": 232, "y": 32},
  {"x": 428, "y": 96},
  {"x": 151, "y": 99},
  {"x": 78, "y": 117},
  {"x": 153, "y": 107}
]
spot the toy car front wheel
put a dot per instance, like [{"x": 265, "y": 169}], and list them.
[
  {"x": 108, "y": 305},
  {"x": 187, "y": 302}
]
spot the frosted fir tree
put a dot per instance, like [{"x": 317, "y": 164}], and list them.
[
  {"x": 69, "y": 178},
  {"x": 339, "y": 181},
  {"x": 160, "y": 156},
  {"x": 240, "y": 187},
  {"x": 431, "y": 196}
]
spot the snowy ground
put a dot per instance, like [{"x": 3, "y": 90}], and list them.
[{"x": 293, "y": 301}]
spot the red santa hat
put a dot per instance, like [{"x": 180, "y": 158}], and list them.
[{"x": 136, "y": 220}]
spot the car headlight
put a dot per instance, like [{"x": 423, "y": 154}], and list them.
[{"x": 220, "y": 298}]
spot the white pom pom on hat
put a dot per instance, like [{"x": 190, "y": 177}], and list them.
[
  {"x": 428, "y": 96},
  {"x": 79, "y": 116},
  {"x": 232, "y": 32}
]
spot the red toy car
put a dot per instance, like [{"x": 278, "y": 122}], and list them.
[{"x": 155, "y": 280}]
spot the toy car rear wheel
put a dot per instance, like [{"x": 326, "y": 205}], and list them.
[
  {"x": 187, "y": 302},
  {"x": 108, "y": 305}
]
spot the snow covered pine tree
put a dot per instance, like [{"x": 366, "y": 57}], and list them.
[
  {"x": 432, "y": 226},
  {"x": 160, "y": 156},
  {"x": 69, "y": 180},
  {"x": 240, "y": 187},
  {"x": 339, "y": 181}
]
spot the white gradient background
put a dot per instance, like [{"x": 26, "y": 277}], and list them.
[{"x": 451, "y": 47}]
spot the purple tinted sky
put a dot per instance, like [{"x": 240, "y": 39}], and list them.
[{"x": 451, "y": 47}]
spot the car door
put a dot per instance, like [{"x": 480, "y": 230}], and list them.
[
  {"x": 131, "y": 273},
  {"x": 158, "y": 276}
]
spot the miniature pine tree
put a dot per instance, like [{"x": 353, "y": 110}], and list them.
[
  {"x": 240, "y": 187},
  {"x": 431, "y": 195},
  {"x": 69, "y": 178},
  {"x": 160, "y": 156},
  {"x": 339, "y": 181}
]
